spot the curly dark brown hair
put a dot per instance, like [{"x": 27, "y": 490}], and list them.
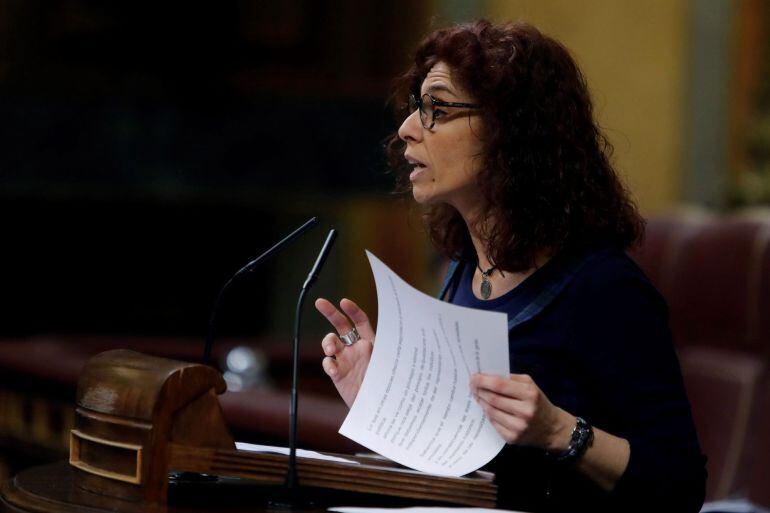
[{"x": 546, "y": 175}]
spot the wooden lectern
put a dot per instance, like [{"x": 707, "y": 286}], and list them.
[{"x": 139, "y": 418}]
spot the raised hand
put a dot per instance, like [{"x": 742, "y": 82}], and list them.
[{"x": 346, "y": 365}]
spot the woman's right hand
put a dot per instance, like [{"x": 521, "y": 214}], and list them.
[{"x": 346, "y": 365}]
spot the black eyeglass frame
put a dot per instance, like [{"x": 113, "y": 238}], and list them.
[{"x": 416, "y": 104}]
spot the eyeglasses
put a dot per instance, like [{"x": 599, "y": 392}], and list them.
[{"x": 427, "y": 105}]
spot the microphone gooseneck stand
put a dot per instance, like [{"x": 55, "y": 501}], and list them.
[
  {"x": 180, "y": 478},
  {"x": 295, "y": 498},
  {"x": 247, "y": 269},
  {"x": 289, "y": 496}
]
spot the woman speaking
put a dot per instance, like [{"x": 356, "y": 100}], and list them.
[{"x": 499, "y": 144}]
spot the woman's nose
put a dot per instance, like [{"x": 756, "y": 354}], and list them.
[{"x": 411, "y": 128}]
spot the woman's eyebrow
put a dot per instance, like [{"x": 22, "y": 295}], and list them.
[{"x": 440, "y": 87}]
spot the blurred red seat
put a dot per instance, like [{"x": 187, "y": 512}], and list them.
[
  {"x": 759, "y": 455},
  {"x": 724, "y": 389},
  {"x": 666, "y": 239},
  {"x": 715, "y": 274},
  {"x": 721, "y": 287}
]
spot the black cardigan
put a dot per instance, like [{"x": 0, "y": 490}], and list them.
[{"x": 593, "y": 333}]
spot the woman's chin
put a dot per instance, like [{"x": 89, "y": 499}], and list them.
[{"x": 421, "y": 196}]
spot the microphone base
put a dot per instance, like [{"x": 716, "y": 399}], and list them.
[
  {"x": 291, "y": 498},
  {"x": 190, "y": 478}
]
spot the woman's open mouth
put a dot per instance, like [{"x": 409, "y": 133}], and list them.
[{"x": 419, "y": 167}]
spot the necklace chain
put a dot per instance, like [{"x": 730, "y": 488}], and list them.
[{"x": 486, "y": 273}]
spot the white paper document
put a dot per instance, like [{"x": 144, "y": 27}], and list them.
[
  {"x": 418, "y": 509},
  {"x": 301, "y": 453},
  {"x": 414, "y": 405}
]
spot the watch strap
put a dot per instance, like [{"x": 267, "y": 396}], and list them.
[{"x": 581, "y": 439}]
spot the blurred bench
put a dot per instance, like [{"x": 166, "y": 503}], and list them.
[
  {"x": 38, "y": 377},
  {"x": 714, "y": 271}
]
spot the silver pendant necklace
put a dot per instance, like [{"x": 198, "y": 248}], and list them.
[{"x": 486, "y": 285}]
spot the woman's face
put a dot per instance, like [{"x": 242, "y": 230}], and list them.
[{"x": 447, "y": 157}]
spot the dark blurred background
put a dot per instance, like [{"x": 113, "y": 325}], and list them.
[{"x": 149, "y": 149}]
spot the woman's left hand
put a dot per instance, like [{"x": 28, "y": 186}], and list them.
[{"x": 521, "y": 412}]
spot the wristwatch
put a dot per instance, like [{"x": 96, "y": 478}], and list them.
[{"x": 581, "y": 439}]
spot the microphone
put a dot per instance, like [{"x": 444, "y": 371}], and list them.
[
  {"x": 325, "y": 250},
  {"x": 247, "y": 269},
  {"x": 291, "y": 476}
]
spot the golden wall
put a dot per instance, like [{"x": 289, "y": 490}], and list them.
[{"x": 635, "y": 57}]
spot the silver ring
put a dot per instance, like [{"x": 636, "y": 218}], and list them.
[{"x": 351, "y": 337}]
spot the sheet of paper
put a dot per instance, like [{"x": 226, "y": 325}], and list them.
[
  {"x": 418, "y": 509},
  {"x": 414, "y": 405},
  {"x": 301, "y": 453},
  {"x": 741, "y": 505}
]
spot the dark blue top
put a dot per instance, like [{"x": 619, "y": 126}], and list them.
[{"x": 593, "y": 333}]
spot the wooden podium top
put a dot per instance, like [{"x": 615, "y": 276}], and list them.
[
  {"x": 51, "y": 489},
  {"x": 140, "y": 419}
]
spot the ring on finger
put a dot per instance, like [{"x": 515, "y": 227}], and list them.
[{"x": 351, "y": 337}]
